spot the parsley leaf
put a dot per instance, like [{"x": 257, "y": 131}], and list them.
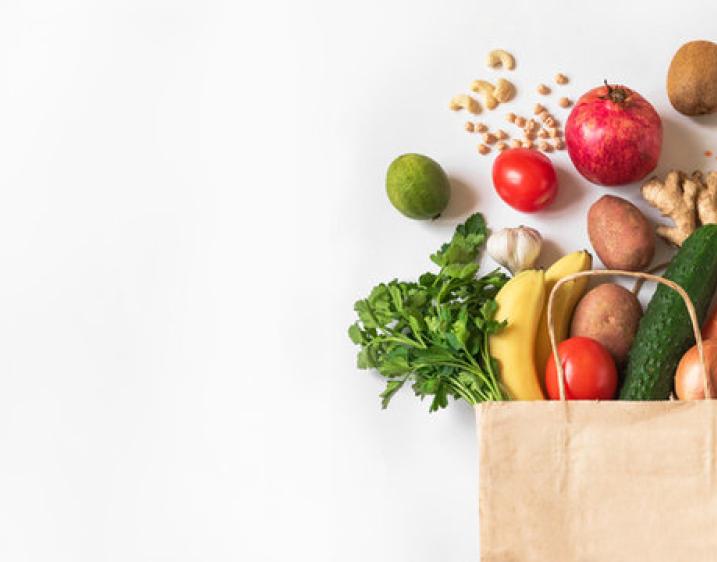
[
  {"x": 466, "y": 243},
  {"x": 434, "y": 333}
]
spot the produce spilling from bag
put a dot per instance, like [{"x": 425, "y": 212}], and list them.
[{"x": 452, "y": 332}]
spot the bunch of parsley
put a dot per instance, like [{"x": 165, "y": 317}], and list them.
[{"x": 434, "y": 333}]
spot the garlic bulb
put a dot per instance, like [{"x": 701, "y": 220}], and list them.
[{"x": 515, "y": 248}]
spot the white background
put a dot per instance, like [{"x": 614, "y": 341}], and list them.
[{"x": 192, "y": 199}]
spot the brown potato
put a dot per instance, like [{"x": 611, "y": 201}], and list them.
[
  {"x": 621, "y": 235},
  {"x": 692, "y": 78},
  {"x": 609, "y": 314}
]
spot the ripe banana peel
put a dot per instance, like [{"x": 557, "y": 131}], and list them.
[
  {"x": 520, "y": 303},
  {"x": 566, "y": 299}
]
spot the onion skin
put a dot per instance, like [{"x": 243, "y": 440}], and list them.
[
  {"x": 688, "y": 378},
  {"x": 709, "y": 328}
]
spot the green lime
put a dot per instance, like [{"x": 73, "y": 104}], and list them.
[{"x": 417, "y": 186}]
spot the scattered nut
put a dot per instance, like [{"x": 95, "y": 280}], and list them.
[
  {"x": 500, "y": 58},
  {"x": 486, "y": 89},
  {"x": 504, "y": 90},
  {"x": 464, "y": 101},
  {"x": 547, "y": 137}
]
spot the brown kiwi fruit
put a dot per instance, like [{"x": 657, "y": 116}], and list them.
[{"x": 692, "y": 78}]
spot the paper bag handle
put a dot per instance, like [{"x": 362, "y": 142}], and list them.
[{"x": 636, "y": 274}]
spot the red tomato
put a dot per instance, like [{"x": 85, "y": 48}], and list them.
[
  {"x": 590, "y": 372},
  {"x": 525, "y": 179}
]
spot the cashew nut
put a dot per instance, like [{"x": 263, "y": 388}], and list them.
[
  {"x": 498, "y": 57},
  {"x": 464, "y": 101},
  {"x": 504, "y": 90},
  {"x": 486, "y": 89}
]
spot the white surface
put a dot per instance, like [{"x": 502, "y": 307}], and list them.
[{"x": 192, "y": 199}]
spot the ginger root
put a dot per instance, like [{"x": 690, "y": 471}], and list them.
[
  {"x": 707, "y": 200},
  {"x": 687, "y": 200}
]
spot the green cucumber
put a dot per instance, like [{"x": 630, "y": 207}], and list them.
[{"x": 665, "y": 331}]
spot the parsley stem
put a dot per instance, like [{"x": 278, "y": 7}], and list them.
[
  {"x": 488, "y": 360},
  {"x": 400, "y": 339},
  {"x": 485, "y": 380},
  {"x": 470, "y": 356},
  {"x": 464, "y": 392}
]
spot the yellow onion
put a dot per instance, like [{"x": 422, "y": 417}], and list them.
[{"x": 689, "y": 382}]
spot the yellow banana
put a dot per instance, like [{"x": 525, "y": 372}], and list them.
[
  {"x": 520, "y": 303},
  {"x": 565, "y": 301}
]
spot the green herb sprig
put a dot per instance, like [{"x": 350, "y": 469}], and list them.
[{"x": 434, "y": 333}]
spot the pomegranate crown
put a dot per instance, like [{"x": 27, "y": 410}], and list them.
[{"x": 616, "y": 94}]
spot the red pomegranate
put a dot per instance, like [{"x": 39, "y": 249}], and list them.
[{"x": 613, "y": 135}]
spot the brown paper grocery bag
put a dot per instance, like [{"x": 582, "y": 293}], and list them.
[{"x": 583, "y": 481}]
